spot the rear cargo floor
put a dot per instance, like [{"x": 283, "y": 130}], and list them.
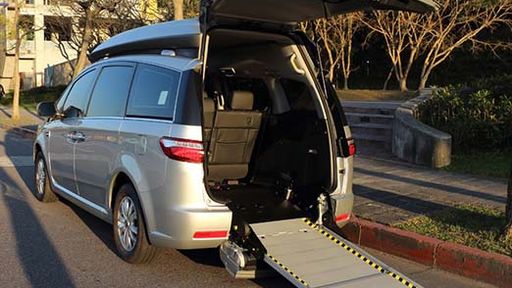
[{"x": 255, "y": 203}]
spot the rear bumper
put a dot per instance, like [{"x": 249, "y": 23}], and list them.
[
  {"x": 179, "y": 208},
  {"x": 342, "y": 205}
]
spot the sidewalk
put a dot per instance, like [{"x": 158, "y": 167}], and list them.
[
  {"x": 28, "y": 119},
  {"x": 389, "y": 191}
]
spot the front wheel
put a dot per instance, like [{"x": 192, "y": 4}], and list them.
[
  {"x": 129, "y": 229},
  {"x": 42, "y": 190}
]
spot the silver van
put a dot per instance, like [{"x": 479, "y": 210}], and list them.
[{"x": 184, "y": 133}]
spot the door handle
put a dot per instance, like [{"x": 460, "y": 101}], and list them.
[
  {"x": 80, "y": 137},
  {"x": 76, "y": 136}
]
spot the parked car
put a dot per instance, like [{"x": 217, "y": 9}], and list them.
[{"x": 182, "y": 133}]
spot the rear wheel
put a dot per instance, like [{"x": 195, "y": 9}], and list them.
[
  {"x": 129, "y": 229},
  {"x": 42, "y": 190}
]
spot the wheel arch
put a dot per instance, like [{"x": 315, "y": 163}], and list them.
[{"x": 121, "y": 178}]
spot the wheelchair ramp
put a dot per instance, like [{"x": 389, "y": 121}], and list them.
[{"x": 309, "y": 255}]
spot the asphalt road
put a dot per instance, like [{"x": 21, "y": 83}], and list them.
[{"x": 60, "y": 245}]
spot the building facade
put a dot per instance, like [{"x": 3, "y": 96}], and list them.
[
  {"x": 43, "y": 47},
  {"x": 38, "y": 48}
]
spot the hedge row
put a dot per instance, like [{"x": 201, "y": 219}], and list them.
[{"x": 478, "y": 115}]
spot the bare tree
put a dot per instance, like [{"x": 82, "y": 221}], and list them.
[
  {"x": 90, "y": 13},
  {"x": 191, "y": 8},
  {"x": 16, "y": 71},
  {"x": 23, "y": 26},
  {"x": 346, "y": 27},
  {"x": 3, "y": 43},
  {"x": 94, "y": 21},
  {"x": 404, "y": 38},
  {"x": 181, "y": 9},
  {"x": 178, "y": 9},
  {"x": 457, "y": 23},
  {"x": 433, "y": 37},
  {"x": 335, "y": 36}
]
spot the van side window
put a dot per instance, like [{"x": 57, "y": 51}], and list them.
[
  {"x": 79, "y": 94},
  {"x": 153, "y": 92},
  {"x": 111, "y": 91},
  {"x": 59, "y": 105}
]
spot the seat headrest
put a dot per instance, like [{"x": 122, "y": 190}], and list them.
[{"x": 242, "y": 100}]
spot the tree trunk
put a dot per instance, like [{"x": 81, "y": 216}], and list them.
[
  {"x": 178, "y": 9},
  {"x": 81, "y": 62},
  {"x": 16, "y": 74},
  {"x": 345, "y": 83},
  {"x": 390, "y": 74},
  {"x": 423, "y": 82},
  {"x": 403, "y": 84},
  {"x": 425, "y": 75},
  {"x": 508, "y": 211},
  {"x": 331, "y": 74}
]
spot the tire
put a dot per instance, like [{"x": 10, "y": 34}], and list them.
[
  {"x": 42, "y": 190},
  {"x": 132, "y": 245}
]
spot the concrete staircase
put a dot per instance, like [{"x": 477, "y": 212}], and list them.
[{"x": 371, "y": 123}]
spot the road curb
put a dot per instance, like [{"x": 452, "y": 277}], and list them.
[{"x": 455, "y": 258}]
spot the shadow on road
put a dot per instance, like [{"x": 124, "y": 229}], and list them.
[
  {"x": 439, "y": 212},
  {"x": 5, "y": 112},
  {"x": 101, "y": 229},
  {"x": 37, "y": 255},
  {"x": 208, "y": 257},
  {"x": 98, "y": 227},
  {"x": 439, "y": 186}
]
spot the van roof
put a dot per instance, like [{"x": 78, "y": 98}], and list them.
[{"x": 181, "y": 34}]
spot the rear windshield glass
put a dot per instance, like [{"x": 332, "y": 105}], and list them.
[{"x": 153, "y": 92}]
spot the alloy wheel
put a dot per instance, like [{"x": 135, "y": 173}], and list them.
[
  {"x": 40, "y": 176},
  {"x": 127, "y": 227}
]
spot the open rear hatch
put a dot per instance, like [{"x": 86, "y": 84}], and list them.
[
  {"x": 287, "y": 13},
  {"x": 290, "y": 175}
]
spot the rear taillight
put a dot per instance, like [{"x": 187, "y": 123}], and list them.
[
  {"x": 183, "y": 149},
  {"x": 352, "y": 149}
]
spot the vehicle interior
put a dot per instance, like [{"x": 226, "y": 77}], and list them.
[{"x": 268, "y": 155}]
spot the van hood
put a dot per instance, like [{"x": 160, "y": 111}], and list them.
[{"x": 291, "y": 12}]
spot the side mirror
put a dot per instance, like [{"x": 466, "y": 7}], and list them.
[
  {"x": 73, "y": 112},
  {"x": 46, "y": 109}
]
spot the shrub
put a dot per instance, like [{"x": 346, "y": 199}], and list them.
[
  {"x": 35, "y": 95},
  {"x": 477, "y": 115}
]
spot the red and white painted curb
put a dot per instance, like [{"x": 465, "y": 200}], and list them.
[{"x": 469, "y": 262}]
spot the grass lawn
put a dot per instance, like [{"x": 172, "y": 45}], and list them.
[
  {"x": 30, "y": 98},
  {"x": 375, "y": 95},
  {"x": 473, "y": 226},
  {"x": 494, "y": 164}
]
